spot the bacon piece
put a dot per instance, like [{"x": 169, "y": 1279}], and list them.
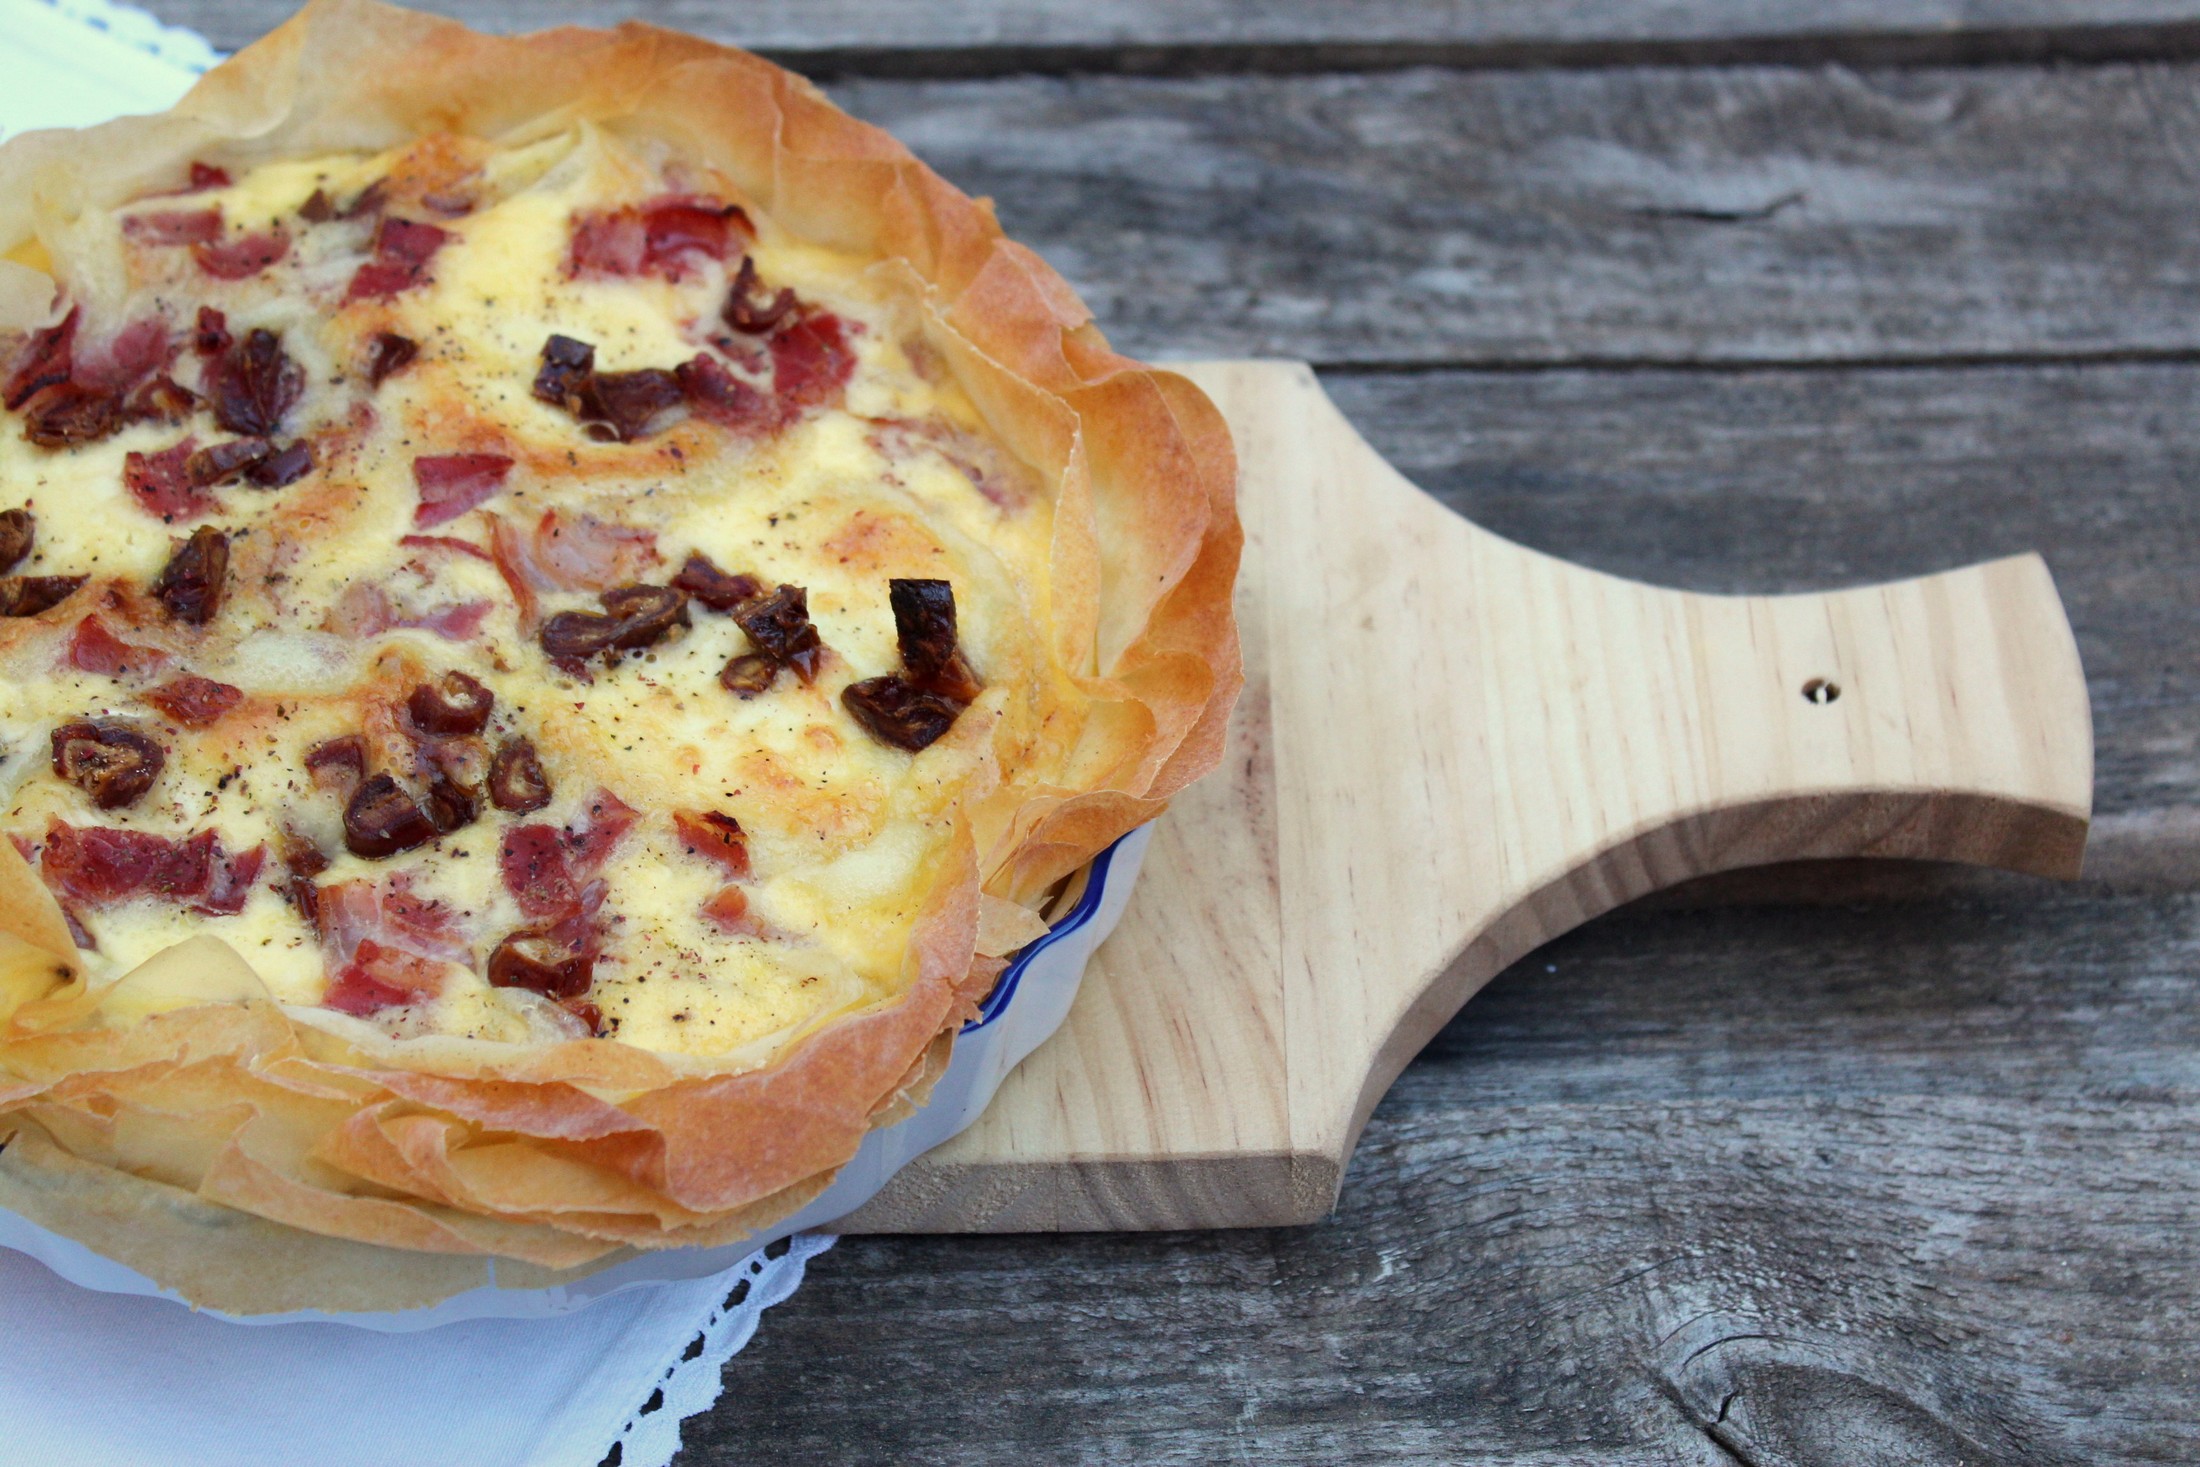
[
  {"x": 728, "y": 910},
  {"x": 517, "y": 783},
  {"x": 453, "y": 483},
  {"x": 603, "y": 822},
  {"x": 402, "y": 250},
  {"x": 162, "y": 485},
  {"x": 715, "y": 394},
  {"x": 365, "y": 610},
  {"x": 583, "y": 553},
  {"x": 195, "y": 701},
  {"x": 747, "y": 311},
  {"x": 93, "y": 648},
  {"x": 124, "y": 359},
  {"x": 444, "y": 542},
  {"x": 387, "y": 354},
  {"x": 30, "y": 595},
  {"x": 254, "y": 385},
  {"x": 190, "y": 586},
  {"x": 811, "y": 362},
  {"x": 705, "y": 582},
  {"x": 175, "y": 227},
  {"x": 243, "y": 257},
  {"x": 108, "y": 759},
  {"x": 532, "y": 860},
  {"x": 663, "y": 236},
  {"x": 45, "y": 362},
  {"x": 715, "y": 837},
  {"x": 230, "y": 886},
  {"x": 97, "y": 866},
  {"x": 392, "y": 914},
  {"x": 338, "y": 765},
  {"x": 18, "y": 532},
  {"x": 206, "y": 176},
  {"x": 380, "y": 977}
]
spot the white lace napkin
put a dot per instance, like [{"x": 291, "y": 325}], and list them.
[{"x": 117, "y": 1380}]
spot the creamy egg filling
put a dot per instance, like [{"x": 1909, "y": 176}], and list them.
[{"x": 896, "y": 476}]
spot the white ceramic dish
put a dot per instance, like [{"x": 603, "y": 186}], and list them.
[{"x": 1025, "y": 1007}]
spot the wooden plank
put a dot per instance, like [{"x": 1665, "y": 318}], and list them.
[
  {"x": 974, "y": 37},
  {"x": 1617, "y": 217},
  {"x": 1768, "y": 1186}
]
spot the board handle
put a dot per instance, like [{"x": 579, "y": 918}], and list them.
[{"x": 1940, "y": 718}]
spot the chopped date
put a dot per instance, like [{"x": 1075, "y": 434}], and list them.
[
  {"x": 715, "y": 836},
  {"x": 285, "y": 466},
  {"x": 517, "y": 784},
  {"x": 382, "y": 818},
  {"x": 66, "y": 415},
  {"x": 705, "y": 582},
  {"x": 540, "y": 961},
  {"x": 108, "y": 759},
  {"x": 748, "y": 674},
  {"x": 18, "y": 531},
  {"x": 210, "y": 336},
  {"x": 224, "y": 463},
  {"x": 453, "y": 704},
  {"x": 45, "y": 362},
  {"x": 924, "y": 624},
  {"x": 623, "y": 406},
  {"x": 254, "y": 385},
  {"x": 30, "y": 595},
  {"x": 195, "y": 701},
  {"x": 897, "y": 712},
  {"x": 747, "y": 311},
  {"x": 387, "y": 354},
  {"x": 633, "y": 617},
  {"x": 450, "y": 805},
  {"x": 566, "y": 367},
  {"x": 190, "y": 585},
  {"x": 780, "y": 626}
]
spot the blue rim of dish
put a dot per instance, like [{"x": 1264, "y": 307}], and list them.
[{"x": 1088, "y": 905}]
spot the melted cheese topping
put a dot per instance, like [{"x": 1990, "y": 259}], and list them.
[{"x": 895, "y": 477}]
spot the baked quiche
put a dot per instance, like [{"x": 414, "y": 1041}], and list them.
[{"x": 563, "y": 606}]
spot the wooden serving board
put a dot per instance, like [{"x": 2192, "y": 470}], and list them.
[{"x": 1450, "y": 750}]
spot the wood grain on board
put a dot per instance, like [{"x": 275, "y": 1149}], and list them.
[{"x": 1452, "y": 749}]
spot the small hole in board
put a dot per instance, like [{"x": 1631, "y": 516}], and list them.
[{"x": 1821, "y": 690}]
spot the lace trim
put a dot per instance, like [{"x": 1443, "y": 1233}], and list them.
[{"x": 692, "y": 1382}]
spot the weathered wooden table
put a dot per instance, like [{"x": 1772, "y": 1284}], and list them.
[{"x": 1829, "y": 1166}]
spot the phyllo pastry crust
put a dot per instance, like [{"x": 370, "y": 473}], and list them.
[{"x": 563, "y": 606}]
